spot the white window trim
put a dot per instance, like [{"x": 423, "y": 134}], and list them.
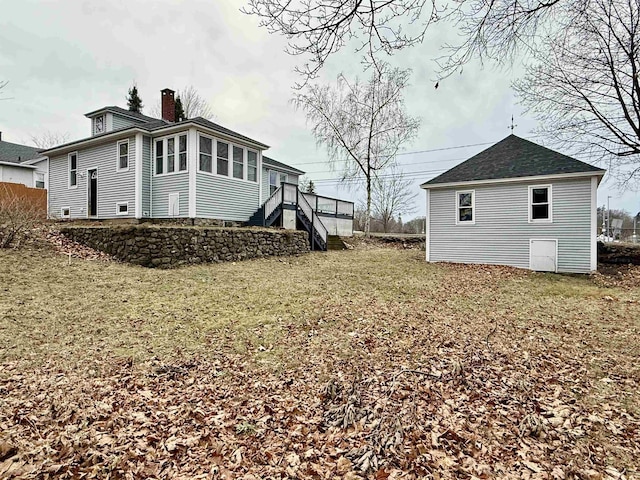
[
  {"x": 62, "y": 215},
  {"x": 473, "y": 207},
  {"x": 118, "y": 205},
  {"x": 550, "y": 202},
  {"x": 214, "y": 160},
  {"x": 69, "y": 186},
  {"x": 118, "y": 169},
  {"x": 95, "y": 124},
  {"x": 35, "y": 179},
  {"x": 176, "y": 153}
]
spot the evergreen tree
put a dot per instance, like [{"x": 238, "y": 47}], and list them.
[
  {"x": 134, "y": 102},
  {"x": 179, "y": 110}
]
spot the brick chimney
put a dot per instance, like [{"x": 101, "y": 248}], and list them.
[{"x": 168, "y": 105}]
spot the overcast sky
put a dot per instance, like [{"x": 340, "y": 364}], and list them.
[{"x": 64, "y": 59}]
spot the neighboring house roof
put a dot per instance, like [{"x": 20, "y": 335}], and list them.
[
  {"x": 16, "y": 153},
  {"x": 124, "y": 112},
  {"x": 513, "y": 157},
  {"x": 274, "y": 163}
]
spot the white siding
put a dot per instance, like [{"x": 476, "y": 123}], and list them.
[
  {"x": 113, "y": 187},
  {"x": 122, "y": 122},
  {"x": 502, "y": 231},
  {"x": 291, "y": 178},
  {"x": 16, "y": 174},
  {"x": 226, "y": 198}
]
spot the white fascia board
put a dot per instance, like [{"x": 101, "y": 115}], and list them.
[
  {"x": 218, "y": 134},
  {"x": 596, "y": 173},
  {"x": 33, "y": 161},
  {"x": 18, "y": 165}
]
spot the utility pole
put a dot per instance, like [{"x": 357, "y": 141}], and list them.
[{"x": 608, "y": 218}]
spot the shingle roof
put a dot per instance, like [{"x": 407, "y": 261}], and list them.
[
  {"x": 16, "y": 153},
  {"x": 513, "y": 157},
  {"x": 123, "y": 111},
  {"x": 277, "y": 164},
  {"x": 157, "y": 124}
]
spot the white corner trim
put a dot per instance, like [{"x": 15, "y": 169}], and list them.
[
  {"x": 259, "y": 178},
  {"x": 192, "y": 160},
  {"x": 427, "y": 227},
  {"x": 138, "y": 176},
  {"x": 594, "y": 224}
]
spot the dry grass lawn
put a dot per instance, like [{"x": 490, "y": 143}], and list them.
[{"x": 367, "y": 363}]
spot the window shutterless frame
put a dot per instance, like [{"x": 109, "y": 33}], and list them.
[
  {"x": 540, "y": 204},
  {"x": 72, "y": 164},
  {"x": 223, "y": 158},
  {"x": 122, "y": 156},
  {"x": 465, "y": 207},
  {"x": 65, "y": 212},
  {"x": 170, "y": 154}
]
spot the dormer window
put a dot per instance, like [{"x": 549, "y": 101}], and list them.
[{"x": 98, "y": 124}]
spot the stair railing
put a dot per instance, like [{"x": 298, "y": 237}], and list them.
[
  {"x": 316, "y": 223},
  {"x": 272, "y": 203}
]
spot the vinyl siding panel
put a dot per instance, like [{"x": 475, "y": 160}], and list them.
[
  {"x": 122, "y": 122},
  {"x": 146, "y": 176},
  {"x": 291, "y": 178},
  {"x": 162, "y": 187},
  {"x": 113, "y": 187},
  {"x": 226, "y": 198},
  {"x": 502, "y": 231}
]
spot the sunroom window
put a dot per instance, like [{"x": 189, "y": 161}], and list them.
[
  {"x": 238, "y": 162},
  {"x": 252, "y": 166},
  {"x": 222, "y": 167},
  {"x": 206, "y": 156}
]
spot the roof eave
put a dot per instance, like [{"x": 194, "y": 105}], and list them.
[
  {"x": 532, "y": 178},
  {"x": 71, "y": 146},
  {"x": 19, "y": 165}
]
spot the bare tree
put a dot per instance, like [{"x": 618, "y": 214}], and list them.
[
  {"x": 48, "y": 139},
  {"x": 392, "y": 196},
  {"x": 361, "y": 124},
  {"x": 316, "y": 29},
  {"x": 584, "y": 89},
  {"x": 193, "y": 105},
  {"x": 306, "y": 185}
]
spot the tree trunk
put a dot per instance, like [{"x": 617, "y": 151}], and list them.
[{"x": 367, "y": 221}]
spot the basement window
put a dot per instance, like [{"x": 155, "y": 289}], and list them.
[
  {"x": 122, "y": 208},
  {"x": 540, "y": 209},
  {"x": 65, "y": 212},
  {"x": 465, "y": 207}
]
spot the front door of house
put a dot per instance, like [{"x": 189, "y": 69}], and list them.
[{"x": 92, "y": 192}]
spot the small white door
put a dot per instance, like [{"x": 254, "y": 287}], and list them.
[
  {"x": 543, "y": 255},
  {"x": 174, "y": 204}
]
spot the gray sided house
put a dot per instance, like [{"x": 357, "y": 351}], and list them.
[
  {"x": 138, "y": 167},
  {"x": 516, "y": 203},
  {"x": 22, "y": 164}
]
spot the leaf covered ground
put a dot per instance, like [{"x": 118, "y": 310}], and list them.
[{"x": 366, "y": 363}]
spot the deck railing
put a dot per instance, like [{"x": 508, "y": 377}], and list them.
[
  {"x": 290, "y": 193},
  {"x": 328, "y": 205}
]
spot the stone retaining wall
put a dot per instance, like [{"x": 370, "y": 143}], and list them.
[{"x": 166, "y": 247}]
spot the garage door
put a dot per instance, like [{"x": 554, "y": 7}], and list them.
[{"x": 543, "y": 255}]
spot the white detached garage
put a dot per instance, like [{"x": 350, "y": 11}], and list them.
[{"x": 516, "y": 203}]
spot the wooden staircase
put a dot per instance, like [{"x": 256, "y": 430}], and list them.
[
  {"x": 334, "y": 242},
  {"x": 288, "y": 197}
]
